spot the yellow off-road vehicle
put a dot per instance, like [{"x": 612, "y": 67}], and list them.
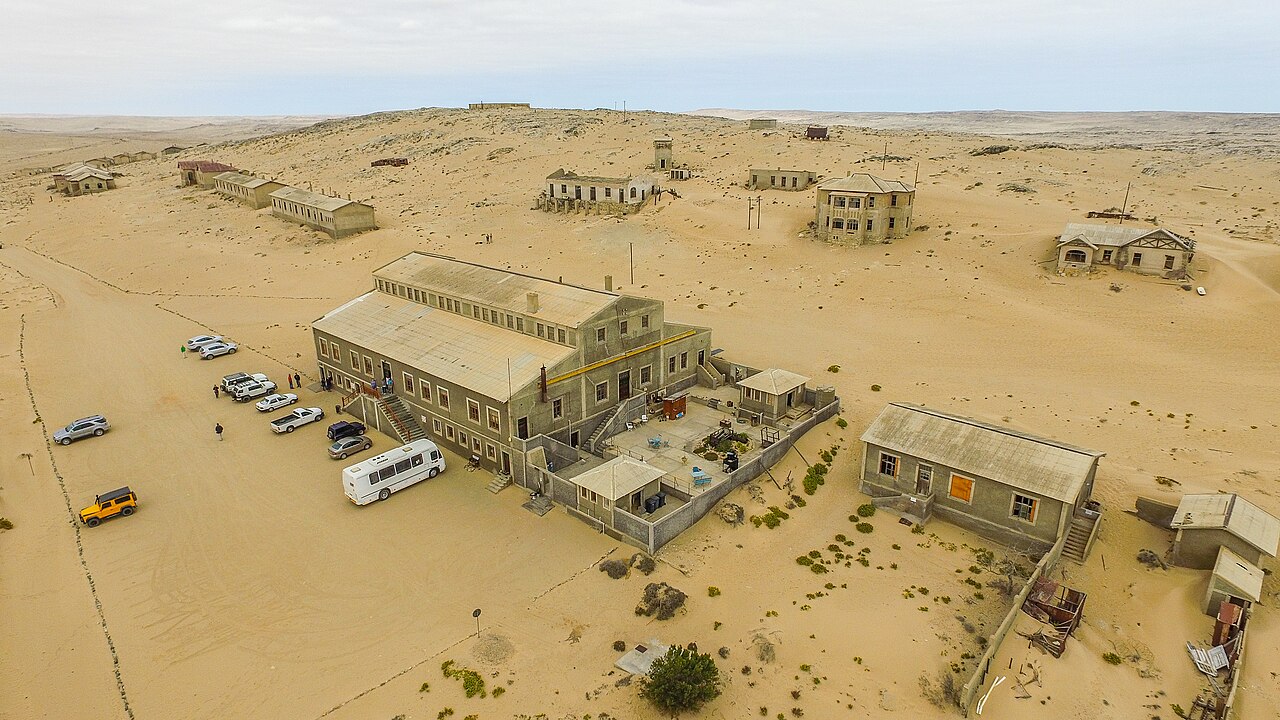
[{"x": 106, "y": 505}]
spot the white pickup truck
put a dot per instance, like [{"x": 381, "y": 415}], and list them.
[
  {"x": 296, "y": 419},
  {"x": 244, "y": 392}
]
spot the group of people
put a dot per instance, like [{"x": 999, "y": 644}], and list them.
[{"x": 387, "y": 385}]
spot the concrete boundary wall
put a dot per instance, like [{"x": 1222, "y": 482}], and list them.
[{"x": 979, "y": 676}]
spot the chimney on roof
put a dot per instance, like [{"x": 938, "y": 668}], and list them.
[
  {"x": 608, "y": 283},
  {"x": 532, "y": 300}
]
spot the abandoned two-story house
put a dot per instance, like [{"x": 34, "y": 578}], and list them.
[
  {"x": 567, "y": 191},
  {"x": 862, "y": 208},
  {"x": 1019, "y": 489},
  {"x": 486, "y": 360},
  {"x": 1149, "y": 251}
]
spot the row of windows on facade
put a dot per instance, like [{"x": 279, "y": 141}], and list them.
[
  {"x": 839, "y": 224},
  {"x": 856, "y": 202},
  {"x": 301, "y": 210},
  {"x": 1079, "y": 256},
  {"x": 960, "y": 488},
  {"x": 773, "y": 181},
  {"x": 472, "y": 443},
  {"x": 577, "y": 192},
  {"x": 513, "y": 322}
]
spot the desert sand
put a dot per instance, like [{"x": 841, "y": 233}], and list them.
[{"x": 247, "y": 586}]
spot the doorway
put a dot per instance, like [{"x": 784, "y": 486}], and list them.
[
  {"x": 573, "y": 439},
  {"x": 702, "y": 358},
  {"x": 386, "y": 370},
  {"x": 924, "y": 480},
  {"x": 624, "y": 384},
  {"x": 791, "y": 396}
]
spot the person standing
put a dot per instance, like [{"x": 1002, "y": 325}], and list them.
[
  {"x": 215, "y": 392},
  {"x": 290, "y": 381},
  {"x": 297, "y": 381},
  {"x": 217, "y": 429}
]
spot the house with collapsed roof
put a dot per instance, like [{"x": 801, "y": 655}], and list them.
[
  {"x": 1019, "y": 489},
  {"x": 201, "y": 173},
  {"x": 567, "y": 191},
  {"x": 334, "y": 215},
  {"x": 862, "y": 208},
  {"x": 81, "y": 179},
  {"x": 1206, "y": 522},
  {"x": 766, "y": 179},
  {"x": 1149, "y": 251},
  {"x": 251, "y": 190}
]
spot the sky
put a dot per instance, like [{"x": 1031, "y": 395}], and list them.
[{"x": 322, "y": 57}]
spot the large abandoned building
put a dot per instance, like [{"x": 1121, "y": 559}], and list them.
[
  {"x": 334, "y": 215},
  {"x": 201, "y": 172},
  {"x": 81, "y": 179},
  {"x": 568, "y": 191},
  {"x": 1019, "y": 489},
  {"x": 1149, "y": 251},
  {"x": 862, "y": 208},
  {"x": 766, "y": 179},
  {"x": 249, "y": 189}
]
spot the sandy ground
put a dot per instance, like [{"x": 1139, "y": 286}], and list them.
[{"x": 248, "y": 586}]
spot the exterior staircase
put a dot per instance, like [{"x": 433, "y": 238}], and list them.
[
  {"x": 500, "y": 482},
  {"x": 401, "y": 419},
  {"x": 598, "y": 433},
  {"x": 1080, "y": 537}
]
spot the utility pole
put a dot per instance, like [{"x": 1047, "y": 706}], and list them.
[
  {"x": 1124, "y": 207},
  {"x": 632, "y": 249},
  {"x": 917, "y": 180},
  {"x": 885, "y": 157},
  {"x": 759, "y": 203}
]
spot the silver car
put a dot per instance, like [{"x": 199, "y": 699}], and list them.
[
  {"x": 200, "y": 341},
  {"x": 349, "y": 446},
  {"x": 84, "y": 427},
  {"x": 219, "y": 348}
]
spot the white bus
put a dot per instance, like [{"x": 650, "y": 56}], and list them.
[{"x": 394, "y": 470}]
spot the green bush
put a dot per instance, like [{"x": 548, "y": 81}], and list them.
[
  {"x": 681, "y": 681},
  {"x": 865, "y": 527},
  {"x": 842, "y": 423},
  {"x": 804, "y": 560},
  {"x": 818, "y": 568},
  {"x": 498, "y": 691},
  {"x": 713, "y": 591},
  {"x": 833, "y": 368},
  {"x": 866, "y": 510},
  {"x": 1112, "y": 658},
  {"x": 875, "y": 388},
  {"x": 472, "y": 683},
  {"x": 711, "y": 455}
]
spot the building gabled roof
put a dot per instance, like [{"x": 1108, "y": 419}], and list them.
[
  {"x": 85, "y": 172},
  {"x": 780, "y": 170},
  {"x": 558, "y": 303},
  {"x": 205, "y": 166},
  {"x": 243, "y": 180},
  {"x": 314, "y": 199},
  {"x": 865, "y": 183},
  {"x": 492, "y": 362},
  {"x": 1097, "y": 235},
  {"x": 1020, "y": 460},
  {"x": 1230, "y": 512},
  {"x": 618, "y": 477},
  {"x": 774, "y": 381},
  {"x": 1239, "y": 573},
  {"x": 572, "y": 176}
]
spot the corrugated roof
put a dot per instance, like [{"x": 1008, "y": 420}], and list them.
[
  {"x": 558, "y": 303},
  {"x": 618, "y": 477},
  {"x": 243, "y": 180},
  {"x": 204, "y": 166},
  {"x": 1239, "y": 573},
  {"x": 563, "y": 174},
  {"x": 456, "y": 349},
  {"x": 865, "y": 182},
  {"x": 1099, "y": 235},
  {"x": 1037, "y": 465},
  {"x": 313, "y": 199},
  {"x": 774, "y": 381},
  {"x": 1234, "y": 514},
  {"x": 87, "y": 172}
]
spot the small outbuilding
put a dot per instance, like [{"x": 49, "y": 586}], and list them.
[
  {"x": 771, "y": 394},
  {"x": 816, "y": 132},
  {"x": 1016, "y": 488},
  {"x": 762, "y": 124},
  {"x": 623, "y": 483},
  {"x": 123, "y": 158},
  {"x": 1234, "y": 580},
  {"x": 1206, "y": 522},
  {"x": 333, "y": 215},
  {"x": 1148, "y": 251},
  {"x": 201, "y": 172},
  {"x": 248, "y": 189}
]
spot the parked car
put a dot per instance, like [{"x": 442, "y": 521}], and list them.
[
  {"x": 342, "y": 429},
  {"x": 250, "y": 390},
  {"x": 276, "y": 401},
  {"x": 296, "y": 419},
  {"x": 107, "y": 505},
  {"x": 349, "y": 446},
  {"x": 201, "y": 341},
  {"x": 84, "y": 427},
  {"x": 208, "y": 352},
  {"x": 229, "y": 382}
]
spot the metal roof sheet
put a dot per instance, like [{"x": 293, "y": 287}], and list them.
[
  {"x": 1020, "y": 460},
  {"x": 86, "y": 172},
  {"x": 558, "y": 303},
  {"x": 313, "y": 199},
  {"x": 1099, "y": 235},
  {"x": 243, "y": 180},
  {"x": 1239, "y": 573},
  {"x": 618, "y": 477},
  {"x": 865, "y": 182},
  {"x": 456, "y": 349},
  {"x": 570, "y": 175},
  {"x": 204, "y": 166},
  {"x": 774, "y": 381},
  {"x": 1234, "y": 514}
]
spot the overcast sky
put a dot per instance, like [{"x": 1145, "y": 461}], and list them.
[{"x": 273, "y": 57}]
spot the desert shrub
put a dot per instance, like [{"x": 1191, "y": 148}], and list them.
[
  {"x": 865, "y": 527},
  {"x": 713, "y": 591},
  {"x": 842, "y": 423},
  {"x": 619, "y": 646},
  {"x": 711, "y": 455},
  {"x": 827, "y": 456},
  {"x": 840, "y": 537},
  {"x": 779, "y": 512},
  {"x": 804, "y": 560},
  {"x": 498, "y": 691},
  {"x": 833, "y": 547},
  {"x": 815, "y": 554},
  {"x": 6, "y": 523},
  {"x": 819, "y": 568},
  {"x": 681, "y": 680},
  {"x": 1112, "y": 658},
  {"x": 614, "y": 568},
  {"x": 942, "y": 692},
  {"x": 799, "y": 501},
  {"x": 472, "y": 683},
  {"x": 425, "y": 687},
  {"x": 833, "y": 368},
  {"x": 662, "y": 599},
  {"x": 875, "y": 388},
  {"x": 644, "y": 563},
  {"x": 866, "y": 510}
]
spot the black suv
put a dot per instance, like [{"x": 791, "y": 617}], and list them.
[{"x": 342, "y": 429}]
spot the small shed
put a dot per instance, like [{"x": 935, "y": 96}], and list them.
[
  {"x": 762, "y": 124},
  {"x": 623, "y": 482},
  {"x": 1207, "y": 522},
  {"x": 201, "y": 172},
  {"x": 816, "y": 132},
  {"x": 1234, "y": 580},
  {"x": 771, "y": 393}
]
